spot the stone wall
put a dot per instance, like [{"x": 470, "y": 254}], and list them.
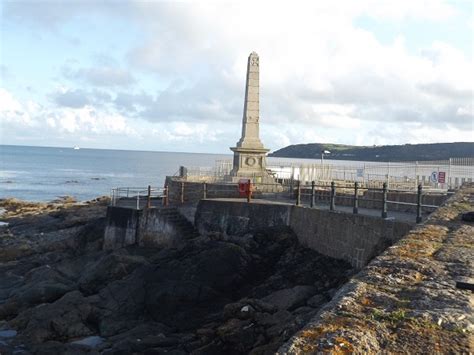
[
  {"x": 148, "y": 227},
  {"x": 121, "y": 227},
  {"x": 154, "y": 229},
  {"x": 354, "y": 238},
  {"x": 406, "y": 299},
  {"x": 192, "y": 192}
]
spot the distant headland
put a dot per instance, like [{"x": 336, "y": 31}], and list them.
[{"x": 406, "y": 152}]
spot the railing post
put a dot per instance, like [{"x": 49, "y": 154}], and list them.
[
  {"x": 138, "y": 200},
  {"x": 355, "y": 210},
  {"x": 249, "y": 190},
  {"x": 181, "y": 195},
  {"x": 312, "y": 193},
  {"x": 332, "y": 205},
  {"x": 165, "y": 197},
  {"x": 204, "y": 190},
  {"x": 148, "y": 200},
  {"x": 298, "y": 193},
  {"x": 418, "y": 204},
  {"x": 384, "y": 200}
]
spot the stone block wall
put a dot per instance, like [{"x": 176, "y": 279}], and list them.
[
  {"x": 354, "y": 238},
  {"x": 154, "y": 229},
  {"x": 121, "y": 227},
  {"x": 194, "y": 191},
  {"x": 148, "y": 227}
]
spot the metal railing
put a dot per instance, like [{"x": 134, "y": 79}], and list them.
[
  {"x": 343, "y": 196},
  {"x": 138, "y": 197},
  {"x": 440, "y": 175},
  {"x": 355, "y": 196}
]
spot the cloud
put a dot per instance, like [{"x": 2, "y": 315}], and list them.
[
  {"x": 71, "y": 98},
  {"x": 322, "y": 77},
  {"x": 101, "y": 76}
]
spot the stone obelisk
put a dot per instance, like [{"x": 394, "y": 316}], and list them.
[{"x": 249, "y": 154}]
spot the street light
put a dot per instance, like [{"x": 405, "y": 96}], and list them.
[{"x": 322, "y": 155}]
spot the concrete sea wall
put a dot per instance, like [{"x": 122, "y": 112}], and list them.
[
  {"x": 121, "y": 227},
  {"x": 354, "y": 238},
  {"x": 406, "y": 300},
  {"x": 148, "y": 227}
]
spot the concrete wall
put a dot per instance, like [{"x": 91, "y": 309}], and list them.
[
  {"x": 236, "y": 218},
  {"x": 154, "y": 229},
  {"x": 194, "y": 191},
  {"x": 354, "y": 238},
  {"x": 121, "y": 227},
  {"x": 149, "y": 227}
]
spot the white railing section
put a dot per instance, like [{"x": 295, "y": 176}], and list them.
[{"x": 136, "y": 197}]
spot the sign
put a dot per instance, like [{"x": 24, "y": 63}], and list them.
[
  {"x": 360, "y": 173},
  {"x": 438, "y": 176},
  {"x": 442, "y": 177}
]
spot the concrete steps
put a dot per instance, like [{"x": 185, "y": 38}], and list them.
[{"x": 173, "y": 216}]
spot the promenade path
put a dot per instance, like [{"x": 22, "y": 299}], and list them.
[{"x": 396, "y": 215}]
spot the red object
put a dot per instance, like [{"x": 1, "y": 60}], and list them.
[
  {"x": 244, "y": 187},
  {"x": 442, "y": 177}
]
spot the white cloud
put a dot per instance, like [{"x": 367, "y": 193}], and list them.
[{"x": 322, "y": 78}]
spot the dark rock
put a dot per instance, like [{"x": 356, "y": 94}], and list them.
[
  {"x": 66, "y": 318},
  {"x": 238, "y": 334},
  {"x": 290, "y": 298},
  {"x": 209, "y": 296},
  {"x": 316, "y": 301},
  {"x": 108, "y": 268},
  {"x": 468, "y": 216}
]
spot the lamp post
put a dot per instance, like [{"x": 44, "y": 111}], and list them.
[
  {"x": 322, "y": 155},
  {"x": 322, "y": 159}
]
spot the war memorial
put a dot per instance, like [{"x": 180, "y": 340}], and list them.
[{"x": 202, "y": 267}]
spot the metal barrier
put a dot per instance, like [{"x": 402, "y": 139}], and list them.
[
  {"x": 439, "y": 175},
  {"x": 138, "y": 197},
  {"x": 295, "y": 192},
  {"x": 355, "y": 190},
  {"x": 332, "y": 195}
]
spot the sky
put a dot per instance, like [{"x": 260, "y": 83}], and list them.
[{"x": 170, "y": 76}]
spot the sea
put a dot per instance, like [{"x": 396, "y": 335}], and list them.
[{"x": 44, "y": 173}]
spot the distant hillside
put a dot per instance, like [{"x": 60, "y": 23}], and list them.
[{"x": 407, "y": 152}]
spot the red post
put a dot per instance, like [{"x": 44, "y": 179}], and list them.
[{"x": 249, "y": 190}]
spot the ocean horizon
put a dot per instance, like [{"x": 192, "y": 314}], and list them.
[{"x": 43, "y": 174}]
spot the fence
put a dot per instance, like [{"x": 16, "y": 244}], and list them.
[
  {"x": 440, "y": 175},
  {"x": 138, "y": 197},
  {"x": 336, "y": 195}
]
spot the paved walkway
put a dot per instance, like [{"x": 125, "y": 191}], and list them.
[{"x": 401, "y": 216}]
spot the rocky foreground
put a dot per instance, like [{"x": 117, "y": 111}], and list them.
[{"x": 61, "y": 293}]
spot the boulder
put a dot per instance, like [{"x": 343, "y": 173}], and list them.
[{"x": 290, "y": 298}]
